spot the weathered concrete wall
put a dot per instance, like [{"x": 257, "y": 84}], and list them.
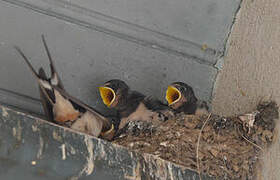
[
  {"x": 251, "y": 67},
  {"x": 31, "y": 149}
]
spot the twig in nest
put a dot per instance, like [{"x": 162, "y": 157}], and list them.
[
  {"x": 252, "y": 143},
  {"x": 197, "y": 145}
]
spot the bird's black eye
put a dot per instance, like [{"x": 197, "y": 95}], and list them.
[
  {"x": 114, "y": 86},
  {"x": 182, "y": 89}
]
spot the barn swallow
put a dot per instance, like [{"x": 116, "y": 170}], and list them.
[
  {"x": 181, "y": 97},
  {"x": 64, "y": 109},
  {"x": 132, "y": 105}
]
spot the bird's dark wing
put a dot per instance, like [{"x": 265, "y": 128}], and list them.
[
  {"x": 202, "y": 105},
  {"x": 136, "y": 96},
  {"x": 47, "y": 105},
  {"x": 47, "y": 96},
  {"x": 154, "y": 104},
  {"x": 131, "y": 104}
]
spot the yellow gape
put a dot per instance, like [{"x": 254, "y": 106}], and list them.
[
  {"x": 109, "y": 131},
  {"x": 108, "y": 95},
  {"x": 173, "y": 95}
]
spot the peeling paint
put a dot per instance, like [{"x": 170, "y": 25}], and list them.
[
  {"x": 102, "y": 154},
  {"x": 136, "y": 173},
  {"x": 4, "y": 112},
  {"x": 72, "y": 150},
  {"x": 87, "y": 150},
  {"x": 41, "y": 147},
  {"x": 17, "y": 131},
  {"x": 14, "y": 131},
  {"x": 89, "y": 166},
  {"x": 150, "y": 162},
  {"x": 63, "y": 151},
  {"x": 56, "y": 136},
  {"x": 34, "y": 128},
  {"x": 170, "y": 171},
  {"x": 219, "y": 64},
  {"x": 161, "y": 169}
]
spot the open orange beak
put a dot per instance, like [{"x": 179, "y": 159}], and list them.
[
  {"x": 173, "y": 95},
  {"x": 108, "y": 95}
]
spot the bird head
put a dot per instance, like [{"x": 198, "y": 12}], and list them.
[
  {"x": 179, "y": 94},
  {"x": 113, "y": 92}
]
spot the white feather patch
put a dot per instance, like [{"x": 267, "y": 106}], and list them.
[
  {"x": 46, "y": 84},
  {"x": 54, "y": 80}
]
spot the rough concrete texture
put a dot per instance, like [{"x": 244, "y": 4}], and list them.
[
  {"x": 251, "y": 68},
  {"x": 31, "y": 149}
]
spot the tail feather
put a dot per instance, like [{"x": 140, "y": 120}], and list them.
[
  {"x": 47, "y": 97},
  {"x": 27, "y": 62},
  {"x": 48, "y": 108},
  {"x": 55, "y": 79}
]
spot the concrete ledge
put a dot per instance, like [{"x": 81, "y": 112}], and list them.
[{"x": 31, "y": 148}]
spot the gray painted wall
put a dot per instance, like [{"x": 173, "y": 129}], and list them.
[{"x": 149, "y": 44}]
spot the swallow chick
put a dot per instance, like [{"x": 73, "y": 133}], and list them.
[
  {"x": 132, "y": 106},
  {"x": 62, "y": 108},
  {"x": 181, "y": 98}
]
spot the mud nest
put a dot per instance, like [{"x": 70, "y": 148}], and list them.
[{"x": 221, "y": 147}]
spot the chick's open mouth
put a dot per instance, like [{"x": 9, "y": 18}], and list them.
[
  {"x": 173, "y": 95},
  {"x": 108, "y": 95}
]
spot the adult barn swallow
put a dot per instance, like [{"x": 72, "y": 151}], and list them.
[
  {"x": 181, "y": 97},
  {"x": 132, "y": 105},
  {"x": 63, "y": 108}
]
